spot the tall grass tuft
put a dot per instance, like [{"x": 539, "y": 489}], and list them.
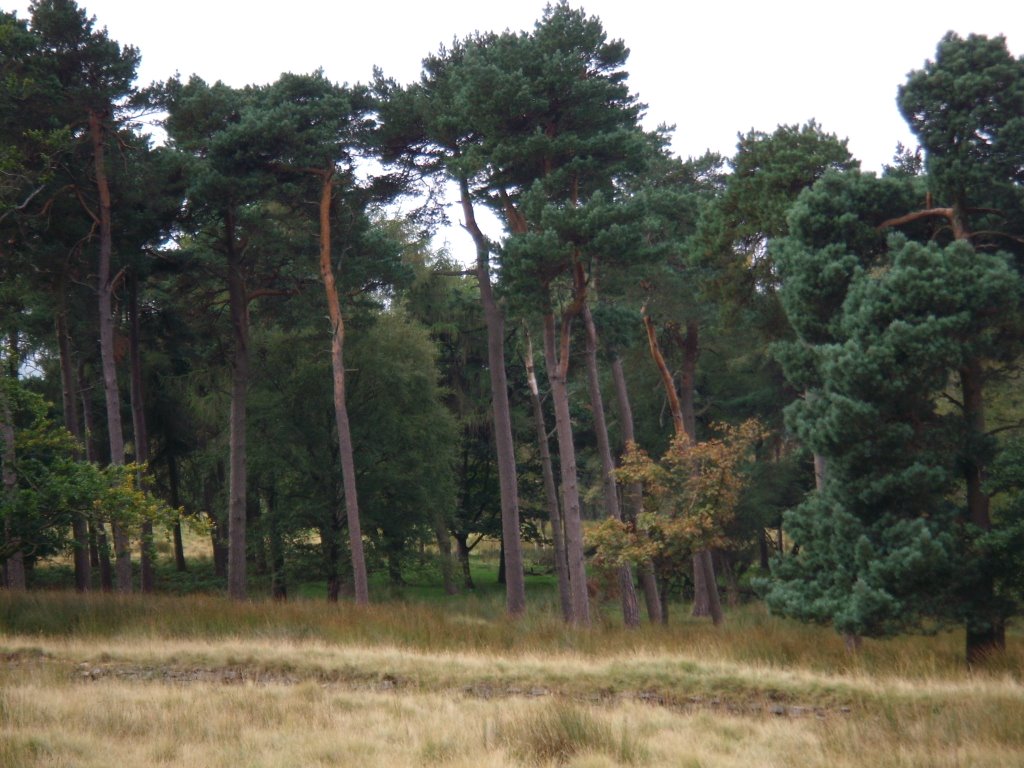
[{"x": 560, "y": 730}]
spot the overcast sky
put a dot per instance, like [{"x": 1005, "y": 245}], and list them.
[{"x": 711, "y": 69}]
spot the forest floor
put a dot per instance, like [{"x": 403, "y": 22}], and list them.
[{"x": 200, "y": 681}]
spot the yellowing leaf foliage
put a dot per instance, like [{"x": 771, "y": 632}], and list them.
[{"x": 690, "y": 496}]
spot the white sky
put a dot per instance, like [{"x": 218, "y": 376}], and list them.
[{"x": 712, "y": 69}]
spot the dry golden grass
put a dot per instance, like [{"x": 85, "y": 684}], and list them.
[{"x": 184, "y": 682}]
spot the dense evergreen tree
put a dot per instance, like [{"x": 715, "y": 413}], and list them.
[{"x": 889, "y": 328}]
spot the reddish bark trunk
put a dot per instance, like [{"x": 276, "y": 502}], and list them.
[
  {"x": 348, "y": 468},
  {"x": 666, "y": 376}
]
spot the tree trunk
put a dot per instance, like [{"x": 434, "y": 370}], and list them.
[
  {"x": 444, "y": 553},
  {"x": 688, "y": 378},
  {"x": 98, "y": 534},
  {"x": 557, "y": 363},
  {"x": 501, "y": 564},
  {"x": 99, "y": 555},
  {"x": 762, "y": 549},
  {"x": 219, "y": 529},
  {"x": 711, "y": 588},
  {"x": 515, "y": 579},
  {"x": 105, "y": 290},
  {"x": 237, "y": 461},
  {"x": 633, "y": 493},
  {"x": 663, "y": 593},
  {"x": 103, "y": 550},
  {"x": 92, "y": 445},
  {"x": 348, "y": 467},
  {"x": 146, "y": 549},
  {"x": 986, "y": 627},
  {"x": 79, "y": 524},
  {"x": 175, "y": 487},
  {"x": 627, "y": 592},
  {"x": 329, "y": 535},
  {"x": 14, "y": 566},
  {"x": 701, "y": 602},
  {"x": 462, "y": 551},
  {"x": 732, "y": 586},
  {"x": 278, "y": 580},
  {"x": 94, "y": 551},
  {"x": 550, "y": 490}
]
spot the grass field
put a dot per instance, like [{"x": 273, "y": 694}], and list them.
[{"x": 198, "y": 681}]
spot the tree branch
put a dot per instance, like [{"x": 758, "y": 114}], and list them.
[{"x": 945, "y": 213}]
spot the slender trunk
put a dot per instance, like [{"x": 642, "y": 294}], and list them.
[
  {"x": 444, "y": 552},
  {"x": 237, "y": 461},
  {"x": 278, "y": 581},
  {"x": 649, "y": 584},
  {"x": 105, "y": 290},
  {"x": 557, "y": 363},
  {"x": 688, "y": 378},
  {"x": 627, "y": 592},
  {"x": 329, "y": 535},
  {"x": 819, "y": 459},
  {"x": 462, "y": 550},
  {"x": 94, "y": 552},
  {"x": 501, "y": 564},
  {"x": 103, "y": 549},
  {"x": 392, "y": 554},
  {"x": 711, "y": 587},
  {"x": 257, "y": 548},
  {"x": 79, "y": 524},
  {"x": 819, "y": 472},
  {"x": 175, "y": 487},
  {"x": 219, "y": 530},
  {"x": 701, "y": 602},
  {"x": 550, "y": 490},
  {"x": 732, "y": 586},
  {"x": 515, "y": 580},
  {"x": 762, "y": 549},
  {"x": 98, "y": 531},
  {"x": 348, "y": 467},
  {"x": 663, "y": 593},
  {"x": 633, "y": 495},
  {"x": 986, "y": 627},
  {"x": 92, "y": 447},
  {"x": 146, "y": 548},
  {"x": 14, "y": 565}
]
